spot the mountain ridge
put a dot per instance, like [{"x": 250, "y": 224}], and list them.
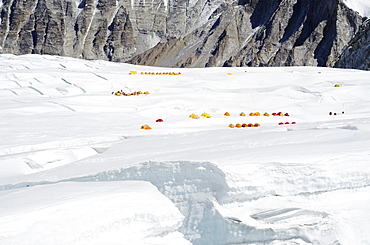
[{"x": 183, "y": 33}]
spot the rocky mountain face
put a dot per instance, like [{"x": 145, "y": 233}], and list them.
[
  {"x": 357, "y": 53},
  {"x": 182, "y": 33}
]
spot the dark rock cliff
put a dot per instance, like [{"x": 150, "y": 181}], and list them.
[
  {"x": 357, "y": 53},
  {"x": 181, "y": 33},
  {"x": 263, "y": 33}
]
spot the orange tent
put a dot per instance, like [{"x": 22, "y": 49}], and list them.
[
  {"x": 194, "y": 116},
  {"x": 146, "y": 127}
]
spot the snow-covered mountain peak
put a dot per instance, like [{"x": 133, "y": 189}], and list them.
[{"x": 361, "y": 6}]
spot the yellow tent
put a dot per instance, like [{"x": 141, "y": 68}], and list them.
[{"x": 206, "y": 115}]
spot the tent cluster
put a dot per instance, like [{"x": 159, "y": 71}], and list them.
[
  {"x": 281, "y": 123},
  {"x": 256, "y": 114},
  {"x": 280, "y": 114},
  {"x": 335, "y": 113},
  {"x": 161, "y": 73},
  {"x": 238, "y": 125},
  {"x": 121, "y": 93},
  {"x": 204, "y": 114},
  {"x": 147, "y": 127},
  {"x": 244, "y": 125}
]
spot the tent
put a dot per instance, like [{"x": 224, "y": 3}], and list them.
[
  {"x": 146, "y": 127},
  {"x": 252, "y": 114},
  {"x": 193, "y": 116},
  {"x": 204, "y": 114}
]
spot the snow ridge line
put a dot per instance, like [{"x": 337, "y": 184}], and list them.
[
  {"x": 62, "y": 105},
  {"x": 73, "y": 84},
  {"x": 122, "y": 174}
]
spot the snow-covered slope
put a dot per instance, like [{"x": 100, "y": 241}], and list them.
[
  {"x": 76, "y": 167},
  {"x": 361, "y": 6},
  {"x": 89, "y": 213}
]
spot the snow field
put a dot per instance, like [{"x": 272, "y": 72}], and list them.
[{"x": 73, "y": 155}]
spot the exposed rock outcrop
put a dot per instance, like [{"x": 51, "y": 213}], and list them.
[
  {"x": 181, "y": 33},
  {"x": 357, "y": 54}
]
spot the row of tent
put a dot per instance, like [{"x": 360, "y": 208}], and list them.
[
  {"x": 244, "y": 125},
  {"x": 121, "y": 93},
  {"x": 335, "y": 113},
  {"x": 242, "y": 114},
  {"x": 204, "y": 114},
  {"x": 155, "y": 73},
  {"x": 266, "y": 114},
  {"x": 238, "y": 125},
  {"x": 281, "y": 123}
]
